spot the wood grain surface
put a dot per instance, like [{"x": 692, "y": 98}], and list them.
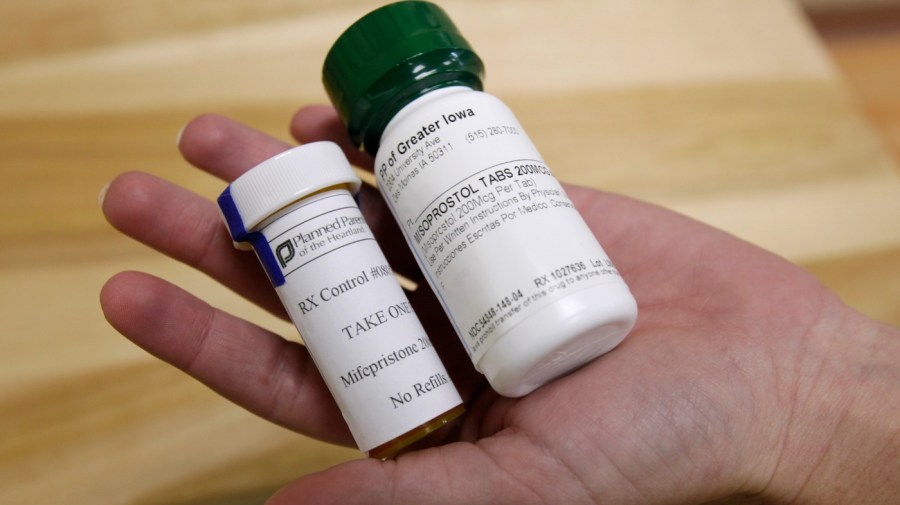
[{"x": 732, "y": 112}]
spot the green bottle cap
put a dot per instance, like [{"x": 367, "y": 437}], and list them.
[{"x": 390, "y": 57}]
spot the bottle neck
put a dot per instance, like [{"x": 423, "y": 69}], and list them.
[
  {"x": 423, "y": 101},
  {"x": 368, "y": 114},
  {"x": 370, "y": 137}
]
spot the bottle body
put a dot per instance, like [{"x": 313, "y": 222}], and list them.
[
  {"x": 356, "y": 322},
  {"x": 529, "y": 290}
]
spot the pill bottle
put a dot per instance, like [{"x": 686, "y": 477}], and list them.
[
  {"x": 298, "y": 213},
  {"x": 528, "y": 288}
]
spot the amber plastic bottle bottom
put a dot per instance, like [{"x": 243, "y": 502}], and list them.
[{"x": 393, "y": 447}]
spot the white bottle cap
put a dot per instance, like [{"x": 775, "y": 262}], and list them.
[{"x": 282, "y": 180}]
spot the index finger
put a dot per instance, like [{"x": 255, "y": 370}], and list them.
[
  {"x": 224, "y": 147},
  {"x": 321, "y": 122}
]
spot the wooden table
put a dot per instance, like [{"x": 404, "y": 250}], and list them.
[{"x": 730, "y": 112}]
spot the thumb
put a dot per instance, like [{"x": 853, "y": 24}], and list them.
[{"x": 460, "y": 473}]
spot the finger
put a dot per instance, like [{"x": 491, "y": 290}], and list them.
[
  {"x": 186, "y": 227},
  {"x": 225, "y": 148},
  {"x": 321, "y": 122},
  {"x": 252, "y": 367},
  {"x": 491, "y": 472}
]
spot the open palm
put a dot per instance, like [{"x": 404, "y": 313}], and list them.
[{"x": 700, "y": 403}]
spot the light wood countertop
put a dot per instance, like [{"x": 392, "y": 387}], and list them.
[{"x": 732, "y": 112}]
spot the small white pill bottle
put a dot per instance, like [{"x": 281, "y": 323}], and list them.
[
  {"x": 530, "y": 291},
  {"x": 297, "y": 211}
]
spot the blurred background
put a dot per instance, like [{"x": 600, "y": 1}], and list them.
[{"x": 777, "y": 121}]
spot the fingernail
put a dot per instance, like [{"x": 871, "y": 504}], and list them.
[
  {"x": 178, "y": 137},
  {"x": 102, "y": 195}
]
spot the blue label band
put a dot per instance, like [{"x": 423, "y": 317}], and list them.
[{"x": 257, "y": 240}]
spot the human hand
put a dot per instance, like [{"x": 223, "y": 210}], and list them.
[{"x": 743, "y": 376}]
